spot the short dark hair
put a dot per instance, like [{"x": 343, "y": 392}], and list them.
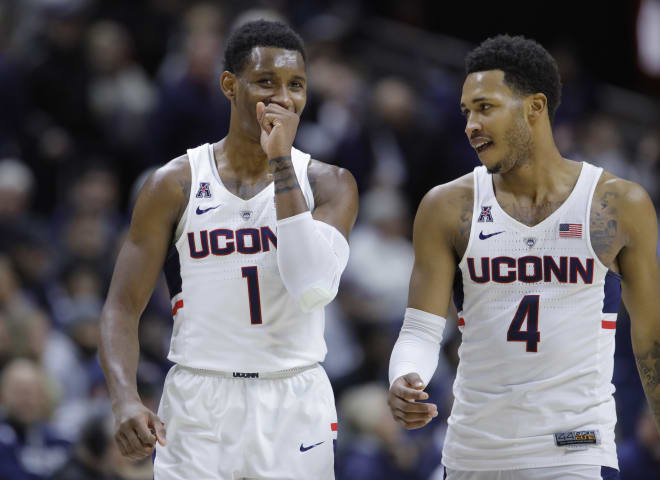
[
  {"x": 259, "y": 33},
  {"x": 528, "y": 67}
]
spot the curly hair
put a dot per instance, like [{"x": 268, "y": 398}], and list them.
[
  {"x": 260, "y": 33},
  {"x": 528, "y": 67}
]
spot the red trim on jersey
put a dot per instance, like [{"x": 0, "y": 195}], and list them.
[
  {"x": 610, "y": 325},
  {"x": 333, "y": 427},
  {"x": 461, "y": 322},
  {"x": 177, "y": 306}
]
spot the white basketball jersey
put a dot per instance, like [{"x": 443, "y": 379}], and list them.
[
  {"x": 231, "y": 310},
  {"x": 537, "y": 312}
]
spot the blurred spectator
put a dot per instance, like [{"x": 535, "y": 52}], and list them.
[
  {"x": 13, "y": 301},
  {"x": 378, "y": 271},
  {"x": 376, "y": 446},
  {"x": 191, "y": 108},
  {"x": 29, "y": 449},
  {"x": 639, "y": 457},
  {"x": 121, "y": 96},
  {"x": 91, "y": 458},
  {"x": 602, "y": 144}
]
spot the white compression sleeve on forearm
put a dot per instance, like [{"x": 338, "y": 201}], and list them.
[
  {"x": 311, "y": 256},
  {"x": 418, "y": 346}
]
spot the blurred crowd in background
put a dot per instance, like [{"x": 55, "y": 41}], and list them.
[{"x": 95, "y": 94}]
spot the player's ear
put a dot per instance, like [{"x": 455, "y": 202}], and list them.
[
  {"x": 228, "y": 84},
  {"x": 536, "y": 105}
]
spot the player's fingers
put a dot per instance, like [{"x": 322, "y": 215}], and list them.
[
  {"x": 412, "y": 417},
  {"x": 417, "y": 407},
  {"x": 413, "y": 423},
  {"x": 135, "y": 446},
  {"x": 158, "y": 428},
  {"x": 409, "y": 394},
  {"x": 260, "y": 110},
  {"x": 272, "y": 120},
  {"x": 146, "y": 436},
  {"x": 414, "y": 380},
  {"x": 416, "y": 425},
  {"x": 121, "y": 443}
]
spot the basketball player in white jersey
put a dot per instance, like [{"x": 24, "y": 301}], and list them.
[
  {"x": 536, "y": 248},
  {"x": 253, "y": 237}
]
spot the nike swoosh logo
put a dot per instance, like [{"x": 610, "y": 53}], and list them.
[
  {"x": 199, "y": 211},
  {"x": 484, "y": 237},
  {"x": 304, "y": 449}
]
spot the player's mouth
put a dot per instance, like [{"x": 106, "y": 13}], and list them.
[{"x": 481, "y": 144}]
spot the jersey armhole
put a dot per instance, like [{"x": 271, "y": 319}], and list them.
[
  {"x": 183, "y": 221},
  {"x": 592, "y": 192},
  {"x": 475, "y": 198}
]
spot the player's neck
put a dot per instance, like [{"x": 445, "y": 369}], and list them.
[
  {"x": 240, "y": 155},
  {"x": 544, "y": 175}
]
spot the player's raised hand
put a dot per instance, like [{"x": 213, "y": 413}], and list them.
[
  {"x": 278, "y": 129},
  {"x": 404, "y": 400},
  {"x": 137, "y": 430}
]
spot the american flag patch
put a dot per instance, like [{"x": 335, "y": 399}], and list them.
[{"x": 570, "y": 230}]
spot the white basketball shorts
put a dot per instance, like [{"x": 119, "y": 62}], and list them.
[{"x": 221, "y": 427}]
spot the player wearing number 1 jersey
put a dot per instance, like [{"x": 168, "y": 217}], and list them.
[
  {"x": 252, "y": 235},
  {"x": 535, "y": 249}
]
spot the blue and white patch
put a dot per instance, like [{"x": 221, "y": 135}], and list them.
[
  {"x": 485, "y": 215},
  {"x": 204, "y": 190}
]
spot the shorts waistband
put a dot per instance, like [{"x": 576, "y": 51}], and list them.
[{"x": 252, "y": 375}]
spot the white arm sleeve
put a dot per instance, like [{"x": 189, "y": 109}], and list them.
[
  {"x": 311, "y": 256},
  {"x": 418, "y": 346}
]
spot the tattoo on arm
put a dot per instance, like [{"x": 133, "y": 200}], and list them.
[
  {"x": 284, "y": 176},
  {"x": 603, "y": 227},
  {"x": 649, "y": 372}
]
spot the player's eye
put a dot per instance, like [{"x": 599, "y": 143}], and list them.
[
  {"x": 266, "y": 82},
  {"x": 485, "y": 106}
]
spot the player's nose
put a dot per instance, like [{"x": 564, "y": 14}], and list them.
[
  {"x": 472, "y": 127},
  {"x": 282, "y": 97}
]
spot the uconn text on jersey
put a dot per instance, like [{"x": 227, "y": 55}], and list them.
[
  {"x": 223, "y": 241},
  {"x": 531, "y": 269}
]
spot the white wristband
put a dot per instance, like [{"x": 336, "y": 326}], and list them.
[{"x": 418, "y": 346}]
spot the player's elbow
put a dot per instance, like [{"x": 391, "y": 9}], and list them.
[{"x": 313, "y": 293}]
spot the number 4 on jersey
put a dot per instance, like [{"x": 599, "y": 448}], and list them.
[{"x": 528, "y": 309}]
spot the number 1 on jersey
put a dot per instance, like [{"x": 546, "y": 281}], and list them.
[
  {"x": 528, "y": 308},
  {"x": 253, "y": 294}
]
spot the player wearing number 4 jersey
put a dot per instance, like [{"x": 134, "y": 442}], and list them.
[
  {"x": 537, "y": 249},
  {"x": 252, "y": 235}
]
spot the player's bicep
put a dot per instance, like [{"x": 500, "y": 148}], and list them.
[
  {"x": 640, "y": 269},
  {"x": 143, "y": 252},
  {"x": 336, "y": 197},
  {"x": 435, "y": 264}
]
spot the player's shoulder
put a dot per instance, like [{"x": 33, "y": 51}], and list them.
[
  {"x": 621, "y": 193},
  {"x": 450, "y": 197},
  {"x": 167, "y": 188},
  {"x": 318, "y": 170},
  {"x": 173, "y": 175},
  {"x": 326, "y": 179}
]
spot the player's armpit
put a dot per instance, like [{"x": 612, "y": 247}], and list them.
[{"x": 640, "y": 287}]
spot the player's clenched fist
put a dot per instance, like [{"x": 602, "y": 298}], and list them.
[
  {"x": 404, "y": 400},
  {"x": 278, "y": 129},
  {"x": 137, "y": 430}
]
